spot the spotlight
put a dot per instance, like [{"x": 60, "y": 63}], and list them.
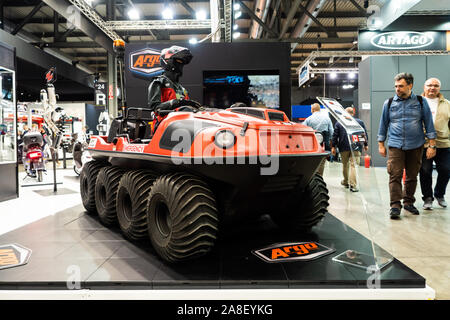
[
  {"x": 236, "y": 35},
  {"x": 193, "y": 41},
  {"x": 350, "y": 60},
  {"x": 333, "y": 75},
  {"x": 351, "y": 75},
  {"x": 167, "y": 13},
  {"x": 237, "y": 14},
  {"x": 200, "y": 15},
  {"x": 236, "y": 6},
  {"x": 331, "y": 60},
  {"x": 133, "y": 14},
  {"x": 235, "y": 27}
]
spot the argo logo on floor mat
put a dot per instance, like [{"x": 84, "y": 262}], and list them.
[
  {"x": 145, "y": 63},
  {"x": 13, "y": 255},
  {"x": 292, "y": 251}
]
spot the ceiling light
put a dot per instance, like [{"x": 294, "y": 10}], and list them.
[
  {"x": 89, "y": 2},
  {"x": 237, "y": 14},
  {"x": 235, "y": 27},
  {"x": 236, "y": 6},
  {"x": 314, "y": 63},
  {"x": 167, "y": 13},
  {"x": 348, "y": 86},
  {"x": 331, "y": 60},
  {"x": 350, "y": 60},
  {"x": 193, "y": 41},
  {"x": 333, "y": 75},
  {"x": 236, "y": 35},
  {"x": 351, "y": 75},
  {"x": 200, "y": 15},
  {"x": 134, "y": 14}
]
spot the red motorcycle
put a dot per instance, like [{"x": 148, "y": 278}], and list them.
[{"x": 33, "y": 156}]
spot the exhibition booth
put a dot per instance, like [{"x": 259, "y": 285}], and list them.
[{"x": 73, "y": 251}]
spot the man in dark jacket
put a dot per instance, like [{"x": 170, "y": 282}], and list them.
[{"x": 349, "y": 154}]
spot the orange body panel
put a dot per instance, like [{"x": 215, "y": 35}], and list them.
[{"x": 261, "y": 137}]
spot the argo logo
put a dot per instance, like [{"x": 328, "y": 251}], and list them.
[
  {"x": 284, "y": 252},
  {"x": 402, "y": 40},
  {"x": 145, "y": 63},
  {"x": 13, "y": 255}
]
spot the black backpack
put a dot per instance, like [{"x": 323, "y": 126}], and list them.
[{"x": 420, "y": 98}]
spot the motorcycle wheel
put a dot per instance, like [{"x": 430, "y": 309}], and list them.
[{"x": 39, "y": 176}]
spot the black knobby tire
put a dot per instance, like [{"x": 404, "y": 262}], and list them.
[
  {"x": 307, "y": 209},
  {"x": 182, "y": 217},
  {"x": 88, "y": 177},
  {"x": 131, "y": 203},
  {"x": 106, "y": 187}
]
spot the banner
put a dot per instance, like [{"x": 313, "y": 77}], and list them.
[
  {"x": 402, "y": 40},
  {"x": 100, "y": 93},
  {"x": 303, "y": 75}
]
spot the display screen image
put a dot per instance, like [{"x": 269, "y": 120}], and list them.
[{"x": 254, "y": 88}]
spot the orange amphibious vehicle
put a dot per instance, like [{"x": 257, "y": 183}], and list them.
[{"x": 202, "y": 169}]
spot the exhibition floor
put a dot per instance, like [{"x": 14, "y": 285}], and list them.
[{"x": 56, "y": 226}]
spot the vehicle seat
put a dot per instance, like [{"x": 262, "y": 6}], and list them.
[
  {"x": 138, "y": 123},
  {"x": 135, "y": 124}
]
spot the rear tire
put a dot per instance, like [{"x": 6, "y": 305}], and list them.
[
  {"x": 106, "y": 187},
  {"x": 39, "y": 176},
  {"x": 88, "y": 178},
  {"x": 131, "y": 203},
  {"x": 306, "y": 210},
  {"x": 182, "y": 217}
]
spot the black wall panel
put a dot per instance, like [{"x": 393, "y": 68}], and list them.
[
  {"x": 8, "y": 171},
  {"x": 218, "y": 57}
]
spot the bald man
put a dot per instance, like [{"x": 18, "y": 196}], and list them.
[
  {"x": 320, "y": 121},
  {"x": 440, "y": 110},
  {"x": 349, "y": 156}
]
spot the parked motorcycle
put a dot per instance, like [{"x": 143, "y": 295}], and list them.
[{"x": 33, "y": 156}]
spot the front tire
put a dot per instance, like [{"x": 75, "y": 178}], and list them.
[
  {"x": 182, "y": 217},
  {"x": 131, "y": 203},
  {"x": 88, "y": 178},
  {"x": 307, "y": 209}
]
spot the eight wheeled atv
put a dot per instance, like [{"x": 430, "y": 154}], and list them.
[{"x": 200, "y": 170}]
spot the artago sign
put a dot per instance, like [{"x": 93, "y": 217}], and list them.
[
  {"x": 402, "y": 40},
  {"x": 13, "y": 255}
]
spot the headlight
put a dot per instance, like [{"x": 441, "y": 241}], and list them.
[
  {"x": 319, "y": 137},
  {"x": 224, "y": 139}
]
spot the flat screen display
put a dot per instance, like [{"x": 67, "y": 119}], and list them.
[{"x": 254, "y": 88}]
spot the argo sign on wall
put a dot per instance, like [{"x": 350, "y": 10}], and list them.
[
  {"x": 402, "y": 40},
  {"x": 145, "y": 63}
]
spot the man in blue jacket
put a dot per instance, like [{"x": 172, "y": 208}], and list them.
[{"x": 405, "y": 116}]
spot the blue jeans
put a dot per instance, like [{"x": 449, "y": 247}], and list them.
[{"x": 442, "y": 160}]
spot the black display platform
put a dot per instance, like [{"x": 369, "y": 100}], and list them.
[{"x": 72, "y": 245}]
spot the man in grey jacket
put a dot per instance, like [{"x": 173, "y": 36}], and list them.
[{"x": 404, "y": 116}]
